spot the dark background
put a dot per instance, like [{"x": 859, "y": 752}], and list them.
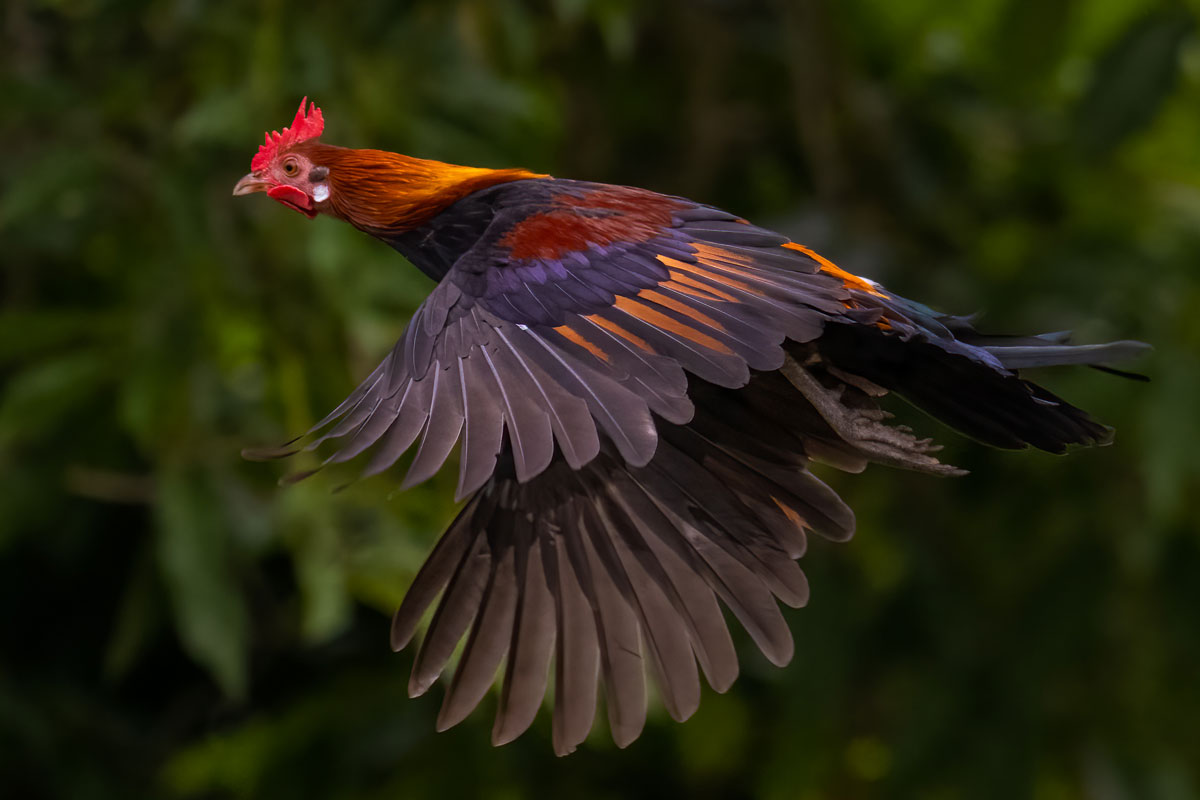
[{"x": 176, "y": 625}]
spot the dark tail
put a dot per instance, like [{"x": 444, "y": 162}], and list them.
[{"x": 971, "y": 384}]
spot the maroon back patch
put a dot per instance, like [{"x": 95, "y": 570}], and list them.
[{"x": 634, "y": 215}]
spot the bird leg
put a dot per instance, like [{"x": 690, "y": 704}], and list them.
[{"x": 864, "y": 428}]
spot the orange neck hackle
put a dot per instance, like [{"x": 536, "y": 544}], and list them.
[{"x": 385, "y": 193}]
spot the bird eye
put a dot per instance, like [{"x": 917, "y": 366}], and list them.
[{"x": 290, "y": 168}]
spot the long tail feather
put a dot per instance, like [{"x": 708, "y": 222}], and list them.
[{"x": 1051, "y": 355}]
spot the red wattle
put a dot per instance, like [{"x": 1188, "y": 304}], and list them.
[{"x": 293, "y": 198}]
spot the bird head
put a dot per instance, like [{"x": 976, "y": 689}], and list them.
[
  {"x": 382, "y": 193},
  {"x": 286, "y": 174}
]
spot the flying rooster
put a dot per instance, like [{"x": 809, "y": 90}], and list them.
[{"x": 639, "y": 383}]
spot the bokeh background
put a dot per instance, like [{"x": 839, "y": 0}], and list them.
[{"x": 175, "y": 625}]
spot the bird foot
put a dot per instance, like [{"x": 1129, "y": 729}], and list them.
[{"x": 864, "y": 428}]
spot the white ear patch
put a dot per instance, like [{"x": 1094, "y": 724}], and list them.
[{"x": 321, "y": 192}]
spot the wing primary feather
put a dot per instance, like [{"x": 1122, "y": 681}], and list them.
[
  {"x": 351, "y": 423},
  {"x": 532, "y": 645},
  {"x": 577, "y": 654},
  {"x": 627, "y": 421},
  {"x": 270, "y": 453},
  {"x": 755, "y": 339},
  {"x": 398, "y": 437},
  {"x": 741, "y": 537},
  {"x": 617, "y": 631},
  {"x": 693, "y": 600},
  {"x": 398, "y": 425},
  {"x": 454, "y": 613},
  {"x": 491, "y": 632},
  {"x": 663, "y": 381},
  {"x": 572, "y": 424},
  {"x": 744, "y": 593},
  {"x": 370, "y": 426},
  {"x": 418, "y": 345},
  {"x": 353, "y": 399},
  {"x": 441, "y": 431},
  {"x": 710, "y": 553},
  {"x": 529, "y": 433},
  {"x": 435, "y": 573},
  {"x": 666, "y": 641},
  {"x": 723, "y": 369},
  {"x": 483, "y": 425}
]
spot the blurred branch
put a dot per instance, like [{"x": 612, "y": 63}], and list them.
[{"x": 108, "y": 486}]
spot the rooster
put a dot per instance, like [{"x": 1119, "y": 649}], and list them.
[{"x": 639, "y": 383}]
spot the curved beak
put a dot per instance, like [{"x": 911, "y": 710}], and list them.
[{"x": 249, "y": 185}]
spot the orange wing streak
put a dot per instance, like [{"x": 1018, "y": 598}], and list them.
[
  {"x": 733, "y": 262},
  {"x": 676, "y": 264},
  {"x": 578, "y": 339},
  {"x": 850, "y": 280},
  {"x": 660, "y": 320},
  {"x": 712, "y": 276},
  {"x": 680, "y": 283},
  {"x": 790, "y": 513},
  {"x": 681, "y": 308},
  {"x": 690, "y": 292},
  {"x": 706, "y": 250},
  {"x": 616, "y": 329}
]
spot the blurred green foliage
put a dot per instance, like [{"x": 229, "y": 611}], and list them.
[{"x": 176, "y": 625}]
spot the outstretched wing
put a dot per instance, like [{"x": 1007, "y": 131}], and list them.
[
  {"x": 579, "y": 315},
  {"x": 460, "y": 373},
  {"x": 615, "y": 572},
  {"x": 571, "y": 327}
]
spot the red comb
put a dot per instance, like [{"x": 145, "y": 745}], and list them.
[{"x": 305, "y": 126}]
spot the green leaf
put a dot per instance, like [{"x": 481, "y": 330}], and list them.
[
  {"x": 27, "y": 333},
  {"x": 1030, "y": 36},
  {"x": 37, "y": 398},
  {"x": 193, "y": 554},
  {"x": 1132, "y": 80},
  {"x": 140, "y": 615},
  {"x": 326, "y": 605}
]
